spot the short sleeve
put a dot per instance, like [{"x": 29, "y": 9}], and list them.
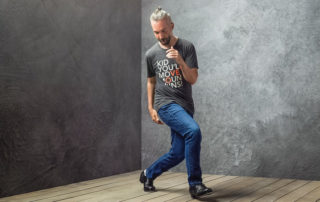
[
  {"x": 150, "y": 70},
  {"x": 191, "y": 57}
]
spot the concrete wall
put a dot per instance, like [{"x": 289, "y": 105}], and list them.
[
  {"x": 257, "y": 98},
  {"x": 69, "y": 91}
]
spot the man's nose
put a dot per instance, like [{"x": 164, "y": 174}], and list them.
[{"x": 161, "y": 36}]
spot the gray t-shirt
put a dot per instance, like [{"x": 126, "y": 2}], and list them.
[{"x": 171, "y": 86}]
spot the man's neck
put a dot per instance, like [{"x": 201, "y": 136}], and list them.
[{"x": 172, "y": 42}]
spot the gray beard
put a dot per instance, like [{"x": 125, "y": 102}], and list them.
[{"x": 166, "y": 42}]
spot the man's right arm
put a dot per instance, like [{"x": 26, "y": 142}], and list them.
[{"x": 151, "y": 87}]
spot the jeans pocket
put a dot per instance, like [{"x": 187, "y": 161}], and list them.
[
  {"x": 163, "y": 109},
  {"x": 162, "y": 115},
  {"x": 165, "y": 113}
]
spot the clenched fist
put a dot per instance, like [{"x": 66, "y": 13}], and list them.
[{"x": 174, "y": 54}]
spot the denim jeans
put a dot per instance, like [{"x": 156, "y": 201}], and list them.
[{"x": 185, "y": 143}]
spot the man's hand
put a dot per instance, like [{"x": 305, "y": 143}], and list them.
[
  {"x": 190, "y": 74},
  {"x": 155, "y": 117},
  {"x": 173, "y": 53}
]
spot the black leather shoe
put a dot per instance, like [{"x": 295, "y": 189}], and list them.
[
  {"x": 198, "y": 190},
  {"x": 147, "y": 183}
]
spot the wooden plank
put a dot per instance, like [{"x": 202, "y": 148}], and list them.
[
  {"x": 254, "y": 187},
  {"x": 220, "y": 190},
  {"x": 302, "y": 191},
  {"x": 182, "y": 189},
  {"x": 265, "y": 190},
  {"x": 114, "y": 193},
  {"x": 177, "y": 185},
  {"x": 312, "y": 196},
  {"x": 229, "y": 192},
  {"x": 234, "y": 191},
  {"x": 137, "y": 189},
  {"x": 95, "y": 182},
  {"x": 282, "y": 191},
  {"x": 66, "y": 191},
  {"x": 174, "y": 187},
  {"x": 215, "y": 185}
]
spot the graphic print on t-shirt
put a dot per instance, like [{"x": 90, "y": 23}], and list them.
[{"x": 169, "y": 73}]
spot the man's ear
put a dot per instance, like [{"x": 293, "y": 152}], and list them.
[{"x": 172, "y": 25}]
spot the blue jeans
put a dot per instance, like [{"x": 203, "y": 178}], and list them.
[{"x": 185, "y": 143}]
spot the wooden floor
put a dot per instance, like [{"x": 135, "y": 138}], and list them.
[{"x": 173, "y": 186}]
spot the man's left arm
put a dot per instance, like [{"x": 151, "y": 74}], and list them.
[{"x": 190, "y": 74}]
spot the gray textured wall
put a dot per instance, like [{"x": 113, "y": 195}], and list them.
[
  {"x": 69, "y": 91},
  {"x": 257, "y": 98}
]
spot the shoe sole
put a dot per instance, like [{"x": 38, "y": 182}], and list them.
[
  {"x": 149, "y": 190},
  {"x": 196, "y": 196}
]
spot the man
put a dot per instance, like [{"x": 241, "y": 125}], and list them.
[{"x": 172, "y": 68}]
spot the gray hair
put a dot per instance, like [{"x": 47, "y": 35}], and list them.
[{"x": 160, "y": 14}]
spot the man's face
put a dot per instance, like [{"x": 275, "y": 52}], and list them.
[{"x": 162, "y": 30}]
